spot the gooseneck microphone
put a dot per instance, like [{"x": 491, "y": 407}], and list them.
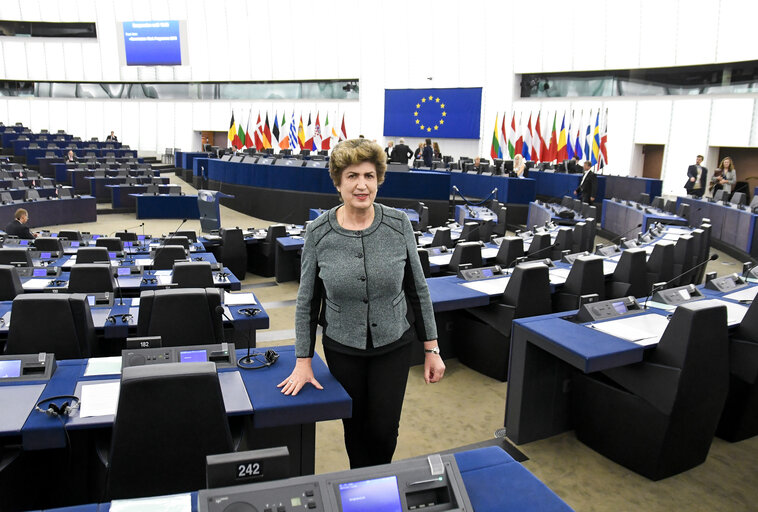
[
  {"x": 665, "y": 285},
  {"x": 525, "y": 257},
  {"x": 622, "y": 235},
  {"x": 166, "y": 240},
  {"x": 118, "y": 289}
]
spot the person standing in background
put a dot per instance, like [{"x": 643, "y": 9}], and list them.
[
  {"x": 587, "y": 188},
  {"x": 388, "y": 150},
  {"x": 401, "y": 153},
  {"x": 428, "y": 153},
  {"x": 437, "y": 152},
  {"x": 696, "y": 174},
  {"x": 724, "y": 177}
]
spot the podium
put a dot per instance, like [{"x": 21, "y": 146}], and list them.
[{"x": 208, "y": 205}]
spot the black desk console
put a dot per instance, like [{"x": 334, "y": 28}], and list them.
[
  {"x": 38, "y": 271},
  {"x": 678, "y": 295},
  {"x": 477, "y": 274},
  {"x": 432, "y": 483},
  {"x": 222, "y": 354},
  {"x": 571, "y": 258},
  {"x": 21, "y": 367},
  {"x": 724, "y": 283},
  {"x": 607, "y": 309}
]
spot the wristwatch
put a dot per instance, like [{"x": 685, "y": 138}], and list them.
[{"x": 435, "y": 350}]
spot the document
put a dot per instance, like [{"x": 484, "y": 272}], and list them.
[
  {"x": 143, "y": 262},
  {"x": 671, "y": 237},
  {"x": 442, "y": 259},
  {"x": 559, "y": 275},
  {"x": 734, "y": 312},
  {"x": 7, "y": 320},
  {"x": 238, "y": 299},
  {"x": 489, "y": 286},
  {"x": 743, "y": 294},
  {"x": 36, "y": 284},
  {"x": 103, "y": 366},
  {"x": 645, "y": 329},
  {"x": 489, "y": 252},
  {"x": 99, "y": 399},
  {"x": 678, "y": 231},
  {"x": 174, "y": 503},
  {"x": 609, "y": 266}
]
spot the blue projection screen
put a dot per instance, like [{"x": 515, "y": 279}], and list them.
[{"x": 153, "y": 43}]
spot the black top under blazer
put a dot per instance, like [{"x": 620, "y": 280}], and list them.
[{"x": 353, "y": 282}]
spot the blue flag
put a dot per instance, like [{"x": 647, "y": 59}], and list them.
[{"x": 434, "y": 113}]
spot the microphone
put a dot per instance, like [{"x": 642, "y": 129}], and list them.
[
  {"x": 622, "y": 235},
  {"x": 127, "y": 229},
  {"x": 520, "y": 259},
  {"x": 746, "y": 268},
  {"x": 118, "y": 289},
  {"x": 712, "y": 257}
]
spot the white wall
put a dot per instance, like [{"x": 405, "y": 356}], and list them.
[{"x": 456, "y": 44}]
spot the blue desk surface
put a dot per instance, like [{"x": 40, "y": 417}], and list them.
[
  {"x": 448, "y": 294},
  {"x": 509, "y": 190},
  {"x": 557, "y": 185}
]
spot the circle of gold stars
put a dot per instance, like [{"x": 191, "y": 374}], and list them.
[{"x": 430, "y": 99}]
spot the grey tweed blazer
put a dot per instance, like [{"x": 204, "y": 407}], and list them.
[{"x": 353, "y": 282}]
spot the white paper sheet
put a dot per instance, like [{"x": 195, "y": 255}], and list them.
[
  {"x": 743, "y": 294},
  {"x": 609, "y": 266},
  {"x": 36, "y": 284},
  {"x": 489, "y": 286},
  {"x": 103, "y": 366},
  {"x": 238, "y": 299},
  {"x": 489, "y": 252},
  {"x": 143, "y": 262},
  {"x": 7, "y": 320},
  {"x": 640, "y": 329},
  {"x": 442, "y": 259},
  {"x": 99, "y": 399},
  {"x": 678, "y": 231},
  {"x": 734, "y": 312},
  {"x": 174, "y": 503},
  {"x": 559, "y": 275}
]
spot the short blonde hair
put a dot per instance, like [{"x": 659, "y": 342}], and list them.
[
  {"x": 354, "y": 152},
  {"x": 20, "y": 213}
]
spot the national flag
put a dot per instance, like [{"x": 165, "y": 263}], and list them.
[
  {"x": 326, "y": 144},
  {"x": 266, "y": 135},
  {"x": 604, "y": 142},
  {"x": 569, "y": 145},
  {"x": 248, "y": 141},
  {"x": 343, "y": 133},
  {"x": 503, "y": 138},
  {"x": 562, "y": 153},
  {"x": 308, "y": 134},
  {"x": 512, "y": 136},
  {"x": 587, "y": 137},
  {"x": 293, "y": 133},
  {"x": 495, "y": 148},
  {"x": 301, "y": 133},
  {"x": 552, "y": 151},
  {"x": 258, "y": 132},
  {"x": 275, "y": 131},
  {"x": 538, "y": 145},
  {"x": 596, "y": 140},
  {"x": 317, "y": 134},
  {"x": 519, "y": 138},
  {"x": 527, "y": 151},
  {"x": 284, "y": 142},
  {"x": 232, "y": 130},
  {"x": 578, "y": 142},
  {"x": 240, "y": 138}
]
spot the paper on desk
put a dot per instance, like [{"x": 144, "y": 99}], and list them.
[
  {"x": 173, "y": 503},
  {"x": 143, "y": 262},
  {"x": 441, "y": 259},
  {"x": 99, "y": 399},
  {"x": 489, "y": 286},
  {"x": 103, "y": 366},
  {"x": 7, "y": 320},
  {"x": 36, "y": 284},
  {"x": 489, "y": 252},
  {"x": 734, "y": 312},
  {"x": 238, "y": 299},
  {"x": 640, "y": 329},
  {"x": 559, "y": 275},
  {"x": 678, "y": 231},
  {"x": 609, "y": 266},
  {"x": 660, "y": 305},
  {"x": 671, "y": 237},
  {"x": 744, "y": 294},
  {"x": 135, "y": 302}
]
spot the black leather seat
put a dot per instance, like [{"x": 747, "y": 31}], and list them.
[
  {"x": 660, "y": 264},
  {"x": 630, "y": 275},
  {"x": 564, "y": 240},
  {"x": 70, "y": 235},
  {"x": 470, "y": 232},
  {"x": 423, "y": 256},
  {"x": 15, "y": 256},
  {"x": 684, "y": 259},
  {"x": 511, "y": 249},
  {"x": 442, "y": 238},
  {"x": 92, "y": 255},
  {"x": 167, "y": 255},
  {"x": 91, "y": 278},
  {"x": 185, "y": 316},
  {"x": 466, "y": 252},
  {"x": 233, "y": 252},
  {"x": 10, "y": 283},
  {"x": 113, "y": 244},
  {"x": 126, "y": 236},
  {"x": 585, "y": 277},
  {"x": 60, "y": 323},
  {"x": 49, "y": 244},
  {"x": 263, "y": 255},
  {"x": 177, "y": 239},
  {"x": 192, "y": 274},
  {"x": 189, "y": 234},
  {"x": 170, "y": 417},
  {"x": 658, "y": 417},
  {"x": 540, "y": 246}
]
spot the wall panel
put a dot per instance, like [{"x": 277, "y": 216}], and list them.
[
  {"x": 731, "y": 119},
  {"x": 652, "y": 122},
  {"x": 688, "y": 138},
  {"x": 657, "y": 34}
]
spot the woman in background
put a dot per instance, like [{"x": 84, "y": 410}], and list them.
[
  {"x": 437, "y": 152},
  {"x": 724, "y": 176},
  {"x": 519, "y": 164}
]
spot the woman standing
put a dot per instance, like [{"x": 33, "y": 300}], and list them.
[
  {"x": 362, "y": 280},
  {"x": 519, "y": 165},
  {"x": 437, "y": 152},
  {"x": 724, "y": 176}
]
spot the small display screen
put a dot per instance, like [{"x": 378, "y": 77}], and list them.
[
  {"x": 124, "y": 271},
  {"x": 23, "y": 242},
  {"x": 487, "y": 272},
  {"x": 45, "y": 255},
  {"x": 95, "y": 237},
  {"x": 75, "y": 243},
  {"x": 54, "y": 235},
  {"x": 10, "y": 369},
  {"x": 127, "y": 244},
  {"x": 91, "y": 300},
  {"x": 193, "y": 356},
  {"x": 39, "y": 272},
  {"x": 375, "y": 495},
  {"x": 140, "y": 237},
  {"x": 111, "y": 255},
  {"x": 620, "y": 308}
]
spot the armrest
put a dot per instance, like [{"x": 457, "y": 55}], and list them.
[
  {"x": 657, "y": 384},
  {"x": 743, "y": 360}
]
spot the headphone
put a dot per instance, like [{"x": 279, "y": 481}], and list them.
[
  {"x": 249, "y": 312},
  {"x": 125, "y": 318},
  {"x": 55, "y": 410},
  {"x": 269, "y": 358}
]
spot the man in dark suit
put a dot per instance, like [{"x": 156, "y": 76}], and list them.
[
  {"x": 112, "y": 137},
  {"x": 388, "y": 150},
  {"x": 17, "y": 226},
  {"x": 587, "y": 188},
  {"x": 401, "y": 153},
  {"x": 696, "y": 174}
]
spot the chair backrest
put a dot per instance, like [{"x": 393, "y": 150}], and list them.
[
  {"x": 683, "y": 210},
  {"x": 185, "y": 316},
  {"x": 70, "y": 235},
  {"x": 45, "y": 243},
  {"x": 65, "y": 193},
  {"x": 684, "y": 257},
  {"x": 567, "y": 201},
  {"x": 276, "y": 231},
  {"x": 660, "y": 264},
  {"x": 10, "y": 283},
  {"x": 423, "y": 217},
  {"x": 92, "y": 255},
  {"x": 6, "y": 197},
  {"x": 110, "y": 243},
  {"x": 15, "y": 256},
  {"x": 32, "y": 195},
  {"x": 721, "y": 195},
  {"x": 91, "y": 278},
  {"x": 166, "y": 255},
  {"x": 192, "y": 274},
  {"x": 442, "y": 237},
  {"x": 156, "y": 407},
  {"x": 658, "y": 203},
  {"x": 586, "y": 276},
  {"x": 528, "y": 290},
  {"x": 538, "y": 247},
  {"x": 59, "y": 323},
  {"x": 423, "y": 256},
  {"x": 466, "y": 252},
  {"x": 564, "y": 241},
  {"x": 470, "y": 232},
  {"x": 178, "y": 240},
  {"x": 631, "y": 269},
  {"x": 500, "y": 228},
  {"x": 511, "y": 248},
  {"x": 190, "y": 235},
  {"x": 644, "y": 198},
  {"x": 152, "y": 189},
  {"x": 739, "y": 198},
  {"x": 126, "y": 236}
]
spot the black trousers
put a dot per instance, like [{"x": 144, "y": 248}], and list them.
[{"x": 376, "y": 385}]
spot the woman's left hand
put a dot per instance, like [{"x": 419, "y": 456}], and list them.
[{"x": 434, "y": 367}]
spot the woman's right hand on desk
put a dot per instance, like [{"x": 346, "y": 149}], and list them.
[{"x": 300, "y": 376}]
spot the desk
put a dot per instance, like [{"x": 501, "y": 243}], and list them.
[
  {"x": 621, "y": 219},
  {"x": 630, "y": 187},
  {"x": 555, "y": 185},
  {"x": 286, "y": 264},
  {"x": 56, "y": 211},
  {"x": 729, "y": 225},
  {"x": 509, "y": 190},
  {"x": 165, "y": 206}
]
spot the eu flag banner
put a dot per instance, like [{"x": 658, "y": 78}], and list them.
[{"x": 434, "y": 113}]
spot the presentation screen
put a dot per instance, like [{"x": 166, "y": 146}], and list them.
[
  {"x": 433, "y": 113},
  {"x": 153, "y": 43}
]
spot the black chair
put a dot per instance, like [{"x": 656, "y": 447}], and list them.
[
  {"x": 185, "y": 316},
  {"x": 60, "y": 323},
  {"x": 630, "y": 276},
  {"x": 167, "y": 255},
  {"x": 65, "y": 193},
  {"x": 585, "y": 277},
  {"x": 92, "y": 255},
  {"x": 738, "y": 198},
  {"x": 658, "y": 417},
  {"x": 660, "y": 264},
  {"x": 192, "y": 274},
  {"x": 500, "y": 227},
  {"x": 126, "y": 236},
  {"x": 511, "y": 249},
  {"x": 177, "y": 240},
  {"x": 91, "y": 278},
  {"x": 564, "y": 241},
  {"x": 538, "y": 249},
  {"x": 169, "y": 418},
  {"x": 32, "y": 195},
  {"x": 670, "y": 206},
  {"x": 579, "y": 237},
  {"x": 466, "y": 253},
  {"x": 423, "y": 217},
  {"x": 113, "y": 244},
  {"x": 70, "y": 235},
  {"x": 684, "y": 258},
  {"x": 644, "y": 199},
  {"x": 15, "y": 256},
  {"x": 233, "y": 252},
  {"x": 6, "y": 198},
  {"x": 739, "y": 419},
  {"x": 483, "y": 335},
  {"x": 705, "y": 249},
  {"x": 423, "y": 256},
  {"x": 10, "y": 283},
  {"x": 48, "y": 244},
  {"x": 152, "y": 189},
  {"x": 189, "y": 234},
  {"x": 442, "y": 238},
  {"x": 658, "y": 203},
  {"x": 469, "y": 232},
  {"x": 683, "y": 210},
  {"x": 721, "y": 195}
]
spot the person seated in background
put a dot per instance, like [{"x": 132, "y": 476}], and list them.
[
  {"x": 112, "y": 137},
  {"x": 70, "y": 157},
  {"x": 477, "y": 167},
  {"x": 17, "y": 227},
  {"x": 519, "y": 164}
]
